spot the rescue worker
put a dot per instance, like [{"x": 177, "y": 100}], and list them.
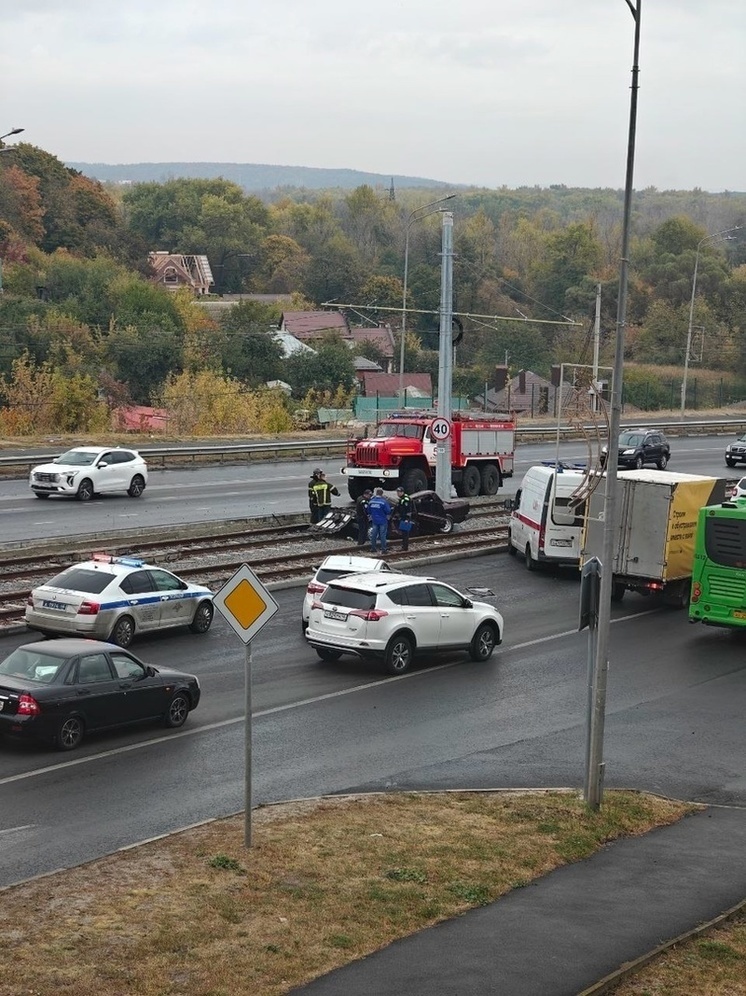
[
  {"x": 361, "y": 511},
  {"x": 311, "y": 495},
  {"x": 403, "y": 516},
  {"x": 322, "y": 492},
  {"x": 379, "y": 513}
]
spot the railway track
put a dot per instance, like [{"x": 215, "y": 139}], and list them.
[{"x": 272, "y": 552}]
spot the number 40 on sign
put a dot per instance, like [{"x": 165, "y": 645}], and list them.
[{"x": 440, "y": 429}]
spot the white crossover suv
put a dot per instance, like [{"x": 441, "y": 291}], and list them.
[
  {"x": 391, "y": 617},
  {"x": 87, "y": 471}
]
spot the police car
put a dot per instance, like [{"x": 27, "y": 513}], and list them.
[{"x": 115, "y": 598}]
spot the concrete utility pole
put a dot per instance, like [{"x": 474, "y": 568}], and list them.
[
  {"x": 596, "y": 348},
  {"x": 445, "y": 357},
  {"x": 597, "y": 694}
]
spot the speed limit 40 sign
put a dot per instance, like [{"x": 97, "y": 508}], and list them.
[{"x": 440, "y": 428}]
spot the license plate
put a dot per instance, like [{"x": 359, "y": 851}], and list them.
[
  {"x": 738, "y": 614},
  {"x": 335, "y": 614},
  {"x": 60, "y": 606}
]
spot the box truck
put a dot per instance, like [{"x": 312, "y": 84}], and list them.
[{"x": 655, "y": 537}]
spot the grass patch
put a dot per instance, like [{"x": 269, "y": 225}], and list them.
[{"x": 326, "y": 882}]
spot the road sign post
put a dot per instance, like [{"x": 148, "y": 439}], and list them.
[{"x": 247, "y": 606}]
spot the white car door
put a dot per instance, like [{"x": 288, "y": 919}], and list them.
[
  {"x": 456, "y": 618},
  {"x": 421, "y": 614},
  {"x": 108, "y": 474}
]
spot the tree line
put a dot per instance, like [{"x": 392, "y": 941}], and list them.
[{"x": 78, "y": 306}]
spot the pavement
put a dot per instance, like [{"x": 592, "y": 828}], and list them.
[{"x": 568, "y": 932}]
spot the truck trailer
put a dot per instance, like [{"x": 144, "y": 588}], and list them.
[
  {"x": 657, "y": 523},
  {"x": 402, "y": 453}
]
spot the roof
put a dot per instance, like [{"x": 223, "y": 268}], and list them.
[
  {"x": 387, "y": 385},
  {"x": 68, "y": 646},
  {"x": 304, "y": 324},
  {"x": 290, "y": 344},
  {"x": 353, "y": 563},
  {"x": 375, "y": 580},
  {"x": 362, "y": 363},
  {"x": 380, "y": 335}
]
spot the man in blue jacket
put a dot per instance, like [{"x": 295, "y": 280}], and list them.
[{"x": 379, "y": 513}]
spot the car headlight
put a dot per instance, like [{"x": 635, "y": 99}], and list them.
[
  {"x": 727, "y": 448},
  {"x": 627, "y": 452},
  {"x": 71, "y": 476}
]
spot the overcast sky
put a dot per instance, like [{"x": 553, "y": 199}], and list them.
[{"x": 470, "y": 91}]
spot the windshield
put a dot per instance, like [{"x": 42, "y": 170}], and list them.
[
  {"x": 32, "y": 665},
  {"x": 630, "y": 439},
  {"x": 77, "y": 458},
  {"x": 400, "y": 429}
]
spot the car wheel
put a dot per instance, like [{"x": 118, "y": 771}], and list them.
[
  {"x": 639, "y": 462},
  {"x": 528, "y": 558},
  {"x": 399, "y": 653},
  {"x": 137, "y": 486},
  {"x": 202, "y": 618},
  {"x": 178, "y": 710},
  {"x": 490, "y": 479},
  {"x": 123, "y": 631},
  {"x": 483, "y": 643},
  {"x": 415, "y": 480},
  {"x": 40, "y": 494},
  {"x": 663, "y": 462},
  {"x": 328, "y": 655},
  {"x": 70, "y": 733},
  {"x": 511, "y": 549},
  {"x": 85, "y": 490},
  {"x": 728, "y": 463},
  {"x": 447, "y": 526}
]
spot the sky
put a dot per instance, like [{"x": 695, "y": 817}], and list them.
[{"x": 484, "y": 92}]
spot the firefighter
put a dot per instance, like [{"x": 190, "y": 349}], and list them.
[
  {"x": 361, "y": 511},
  {"x": 312, "y": 508},
  {"x": 322, "y": 492},
  {"x": 403, "y": 516}
]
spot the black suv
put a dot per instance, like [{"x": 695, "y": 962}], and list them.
[
  {"x": 640, "y": 446},
  {"x": 736, "y": 452}
]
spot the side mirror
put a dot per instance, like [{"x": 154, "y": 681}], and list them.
[
  {"x": 183, "y": 585},
  {"x": 150, "y": 671},
  {"x": 103, "y": 464},
  {"x": 468, "y": 604}
]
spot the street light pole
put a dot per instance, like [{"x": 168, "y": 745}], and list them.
[
  {"x": 416, "y": 215},
  {"x": 708, "y": 238},
  {"x": 598, "y": 680},
  {"x": 13, "y": 131}
]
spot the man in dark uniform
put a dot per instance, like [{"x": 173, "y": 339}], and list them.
[
  {"x": 361, "y": 510},
  {"x": 312, "y": 496},
  {"x": 322, "y": 492},
  {"x": 403, "y": 516}
]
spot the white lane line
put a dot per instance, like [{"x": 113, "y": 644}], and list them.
[
  {"x": 168, "y": 738},
  {"x": 128, "y": 515},
  {"x": 26, "y": 826},
  {"x": 44, "y": 522}
]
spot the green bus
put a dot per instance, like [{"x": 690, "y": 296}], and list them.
[{"x": 718, "y": 594}]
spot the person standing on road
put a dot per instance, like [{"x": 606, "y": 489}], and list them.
[
  {"x": 312, "y": 496},
  {"x": 361, "y": 511},
  {"x": 403, "y": 516},
  {"x": 323, "y": 492},
  {"x": 379, "y": 512}
]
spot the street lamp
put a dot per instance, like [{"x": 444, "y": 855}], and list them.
[
  {"x": 725, "y": 236},
  {"x": 13, "y": 131},
  {"x": 417, "y": 215}
]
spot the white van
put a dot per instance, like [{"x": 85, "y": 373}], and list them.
[{"x": 546, "y": 523}]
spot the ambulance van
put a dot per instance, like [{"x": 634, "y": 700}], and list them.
[{"x": 546, "y": 523}]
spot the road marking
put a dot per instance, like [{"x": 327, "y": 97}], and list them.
[
  {"x": 128, "y": 515},
  {"x": 169, "y": 738},
  {"x": 26, "y": 826}
]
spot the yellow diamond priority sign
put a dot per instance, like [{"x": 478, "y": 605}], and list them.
[{"x": 245, "y": 603}]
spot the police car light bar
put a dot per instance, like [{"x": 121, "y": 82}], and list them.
[{"x": 107, "y": 558}]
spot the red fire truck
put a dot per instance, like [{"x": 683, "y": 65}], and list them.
[{"x": 402, "y": 452}]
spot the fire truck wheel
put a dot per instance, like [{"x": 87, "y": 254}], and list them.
[
  {"x": 356, "y": 486},
  {"x": 490, "y": 479},
  {"x": 471, "y": 482},
  {"x": 415, "y": 480}
]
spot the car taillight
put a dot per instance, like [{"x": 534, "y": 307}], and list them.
[
  {"x": 369, "y": 615},
  {"x": 317, "y": 605},
  {"x": 88, "y": 608},
  {"x": 28, "y": 706},
  {"x": 696, "y": 592},
  {"x": 314, "y": 588}
]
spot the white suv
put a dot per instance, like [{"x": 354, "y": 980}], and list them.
[
  {"x": 333, "y": 567},
  {"x": 86, "y": 471},
  {"x": 390, "y": 617}
]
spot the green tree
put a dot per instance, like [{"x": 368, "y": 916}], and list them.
[
  {"x": 335, "y": 272},
  {"x": 248, "y": 348},
  {"x": 329, "y": 369}
]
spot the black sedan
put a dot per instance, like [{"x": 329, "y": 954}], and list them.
[{"x": 58, "y": 690}]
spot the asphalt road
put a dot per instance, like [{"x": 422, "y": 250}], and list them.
[
  {"x": 674, "y": 723},
  {"x": 175, "y": 497}
]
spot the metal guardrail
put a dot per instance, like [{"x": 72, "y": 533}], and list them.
[{"x": 331, "y": 447}]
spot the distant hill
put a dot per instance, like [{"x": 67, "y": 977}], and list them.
[{"x": 250, "y": 176}]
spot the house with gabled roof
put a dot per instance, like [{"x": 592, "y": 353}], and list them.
[
  {"x": 175, "y": 270},
  {"x": 305, "y": 325}
]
